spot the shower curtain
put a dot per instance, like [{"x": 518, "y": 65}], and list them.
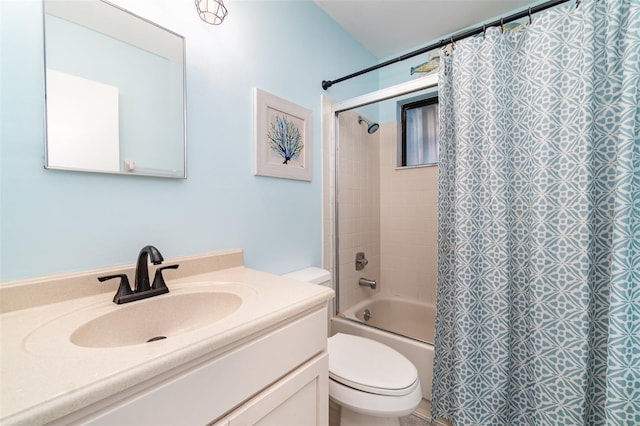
[{"x": 538, "y": 302}]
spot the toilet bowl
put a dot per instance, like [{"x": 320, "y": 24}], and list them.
[{"x": 373, "y": 384}]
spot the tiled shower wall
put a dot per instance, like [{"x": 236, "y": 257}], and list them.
[
  {"x": 408, "y": 224},
  {"x": 359, "y": 206},
  {"x": 388, "y": 213}
]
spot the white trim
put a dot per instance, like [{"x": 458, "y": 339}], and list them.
[{"x": 387, "y": 93}]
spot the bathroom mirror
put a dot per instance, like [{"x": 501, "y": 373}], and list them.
[{"x": 114, "y": 91}]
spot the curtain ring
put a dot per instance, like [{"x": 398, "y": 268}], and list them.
[
  {"x": 577, "y": 3},
  {"x": 530, "y": 16},
  {"x": 452, "y": 42},
  {"x": 502, "y": 25},
  {"x": 484, "y": 31}
]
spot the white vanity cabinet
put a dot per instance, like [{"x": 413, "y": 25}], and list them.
[
  {"x": 298, "y": 399},
  {"x": 277, "y": 376}
]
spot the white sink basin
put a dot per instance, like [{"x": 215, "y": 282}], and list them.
[{"x": 156, "y": 318}]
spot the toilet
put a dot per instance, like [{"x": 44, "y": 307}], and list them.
[{"x": 373, "y": 383}]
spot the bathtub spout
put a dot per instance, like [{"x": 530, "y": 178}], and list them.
[{"x": 368, "y": 283}]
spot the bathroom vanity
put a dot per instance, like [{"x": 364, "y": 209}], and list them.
[{"x": 261, "y": 360}]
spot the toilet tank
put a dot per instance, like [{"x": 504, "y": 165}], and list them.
[
  {"x": 317, "y": 276},
  {"x": 312, "y": 275}
]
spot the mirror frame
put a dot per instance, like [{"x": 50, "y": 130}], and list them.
[{"x": 148, "y": 172}]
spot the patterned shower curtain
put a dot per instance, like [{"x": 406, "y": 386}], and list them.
[{"x": 538, "y": 304}]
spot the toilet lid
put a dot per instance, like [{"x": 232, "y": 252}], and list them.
[{"x": 370, "y": 366}]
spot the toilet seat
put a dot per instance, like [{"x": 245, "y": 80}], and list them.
[
  {"x": 372, "y": 404},
  {"x": 369, "y": 366}
]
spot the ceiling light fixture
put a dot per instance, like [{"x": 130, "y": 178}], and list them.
[{"x": 211, "y": 11}]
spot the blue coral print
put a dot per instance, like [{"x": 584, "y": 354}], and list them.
[{"x": 285, "y": 139}]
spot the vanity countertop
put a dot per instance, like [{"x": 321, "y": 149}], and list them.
[{"x": 45, "y": 377}]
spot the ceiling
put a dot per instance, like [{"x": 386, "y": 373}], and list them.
[{"x": 392, "y": 27}]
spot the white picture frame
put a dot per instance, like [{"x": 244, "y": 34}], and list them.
[{"x": 282, "y": 138}]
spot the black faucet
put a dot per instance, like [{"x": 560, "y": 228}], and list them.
[
  {"x": 142, "y": 289},
  {"x": 142, "y": 271}
]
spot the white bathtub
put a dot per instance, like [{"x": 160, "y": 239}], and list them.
[{"x": 401, "y": 318}]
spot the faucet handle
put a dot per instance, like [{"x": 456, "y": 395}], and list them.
[
  {"x": 158, "y": 280},
  {"x": 123, "y": 290}
]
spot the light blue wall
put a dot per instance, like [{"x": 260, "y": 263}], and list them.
[{"x": 55, "y": 221}]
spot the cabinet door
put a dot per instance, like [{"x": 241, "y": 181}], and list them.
[{"x": 299, "y": 399}]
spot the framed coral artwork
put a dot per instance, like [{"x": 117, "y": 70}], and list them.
[{"x": 282, "y": 137}]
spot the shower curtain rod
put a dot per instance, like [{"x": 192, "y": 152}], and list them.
[{"x": 481, "y": 29}]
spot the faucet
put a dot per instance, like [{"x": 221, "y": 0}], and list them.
[
  {"x": 142, "y": 289},
  {"x": 365, "y": 282},
  {"x": 142, "y": 271}
]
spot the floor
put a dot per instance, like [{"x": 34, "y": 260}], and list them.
[
  {"x": 414, "y": 421},
  {"x": 411, "y": 420}
]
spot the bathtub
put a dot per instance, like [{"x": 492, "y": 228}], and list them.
[{"x": 392, "y": 319}]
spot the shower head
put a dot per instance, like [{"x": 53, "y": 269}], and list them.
[{"x": 372, "y": 127}]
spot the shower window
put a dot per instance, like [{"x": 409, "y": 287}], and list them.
[{"x": 420, "y": 132}]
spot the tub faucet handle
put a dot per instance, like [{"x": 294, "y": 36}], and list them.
[{"x": 361, "y": 261}]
